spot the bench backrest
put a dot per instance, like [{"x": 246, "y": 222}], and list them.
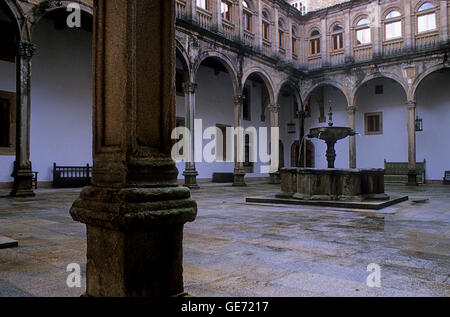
[
  {"x": 447, "y": 175},
  {"x": 400, "y": 168}
]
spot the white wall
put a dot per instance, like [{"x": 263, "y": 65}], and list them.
[
  {"x": 433, "y": 105},
  {"x": 61, "y": 99},
  {"x": 7, "y": 83}
]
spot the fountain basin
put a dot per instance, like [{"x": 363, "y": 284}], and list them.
[
  {"x": 332, "y": 134},
  {"x": 332, "y": 184}
]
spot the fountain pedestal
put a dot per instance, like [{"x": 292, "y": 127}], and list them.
[{"x": 332, "y": 184}]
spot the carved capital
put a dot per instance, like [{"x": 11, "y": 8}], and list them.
[
  {"x": 274, "y": 108},
  {"x": 352, "y": 108},
  {"x": 26, "y": 49},
  {"x": 189, "y": 87},
  {"x": 411, "y": 104},
  {"x": 238, "y": 100}
]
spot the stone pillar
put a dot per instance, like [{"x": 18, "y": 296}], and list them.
[
  {"x": 274, "y": 164},
  {"x": 239, "y": 171},
  {"x": 191, "y": 10},
  {"x": 134, "y": 211},
  {"x": 22, "y": 166},
  {"x": 412, "y": 173},
  {"x": 444, "y": 26},
  {"x": 352, "y": 139},
  {"x": 190, "y": 174},
  {"x": 409, "y": 25}
]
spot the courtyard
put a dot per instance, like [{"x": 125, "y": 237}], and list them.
[{"x": 239, "y": 249}]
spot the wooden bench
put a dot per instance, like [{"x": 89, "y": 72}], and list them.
[
  {"x": 446, "y": 179},
  {"x": 223, "y": 178},
  {"x": 71, "y": 176},
  {"x": 397, "y": 172}
]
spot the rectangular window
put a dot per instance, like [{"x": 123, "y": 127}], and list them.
[
  {"x": 265, "y": 31},
  {"x": 363, "y": 37},
  {"x": 281, "y": 39},
  {"x": 393, "y": 30},
  {"x": 226, "y": 11},
  {"x": 315, "y": 47},
  {"x": 7, "y": 48},
  {"x": 294, "y": 46},
  {"x": 221, "y": 143},
  {"x": 203, "y": 4},
  {"x": 7, "y": 122},
  {"x": 338, "y": 42},
  {"x": 373, "y": 123},
  {"x": 427, "y": 22},
  {"x": 246, "y": 109},
  {"x": 247, "y": 21}
]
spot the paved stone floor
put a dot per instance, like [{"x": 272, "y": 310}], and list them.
[{"x": 238, "y": 249}]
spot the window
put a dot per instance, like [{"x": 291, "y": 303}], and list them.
[
  {"x": 203, "y": 4},
  {"x": 7, "y": 49},
  {"x": 337, "y": 38},
  {"x": 393, "y": 25},
  {"x": 300, "y": 6},
  {"x": 281, "y": 38},
  {"x": 248, "y": 153},
  {"x": 226, "y": 10},
  {"x": 314, "y": 43},
  {"x": 179, "y": 78},
  {"x": 426, "y": 21},
  {"x": 246, "y": 107},
  {"x": 363, "y": 34},
  {"x": 7, "y": 122},
  {"x": 246, "y": 17},
  {"x": 373, "y": 123},
  {"x": 221, "y": 143},
  {"x": 265, "y": 31},
  {"x": 294, "y": 46}
]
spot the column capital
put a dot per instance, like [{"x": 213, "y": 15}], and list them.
[
  {"x": 352, "y": 108},
  {"x": 238, "y": 100},
  {"x": 411, "y": 104},
  {"x": 189, "y": 87},
  {"x": 275, "y": 108},
  {"x": 26, "y": 49}
]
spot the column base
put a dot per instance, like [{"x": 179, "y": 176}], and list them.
[
  {"x": 412, "y": 179},
  {"x": 275, "y": 178},
  {"x": 23, "y": 184},
  {"x": 239, "y": 178},
  {"x": 134, "y": 239},
  {"x": 190, "y": 179}
]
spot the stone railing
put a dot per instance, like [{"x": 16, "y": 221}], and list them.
[
  {"x": 249, "y": 38},
  {"x": 427, "y": 40},
  {"x": 228, "y": 29},
  {"x": 363, "y": 53},
  {"x": 315, "y": 62},
  {"x": 267, "y": 47},
  {"x": 394, "y": 47},
  {"x": 181, "y": 9},
  {"x": 204, "y": 18},
  {"x": 337, "y": 57}
]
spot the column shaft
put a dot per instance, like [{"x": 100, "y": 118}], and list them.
[
  {"x": 352, "y": 139},
  {"x": 239, "y": 171},
  {"x": 412, "y": 173},
  {"x": 190, "y": 174},
  {"x": 274, "y": 147}
]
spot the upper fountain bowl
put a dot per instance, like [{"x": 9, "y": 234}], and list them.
[{"x": 331, "y": 133}]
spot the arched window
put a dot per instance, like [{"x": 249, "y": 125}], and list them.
[
  {"x": 337, "y": 38},
  {"x": 266, "y": 26},
  {"x": 294, "y": 41},
  {"x": 280, "y": 34},
  {"x": 314, "y": 43},
  {"x": 426, "y": 18},
  {"x": 362, "y": 32},
  {"x": 203, "y": 4},
  {"x": 247, "y": 17},
  {"x": 393, "y": 25},
  {"x": 227, "y": 10}
]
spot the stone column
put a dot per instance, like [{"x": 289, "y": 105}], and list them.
[
  {"x": 239, "y": 171},
  {"x": 352, "y": 139},
  {"x": 409, "y": 26},
  {"x": 274, "y": 164},
  {"x": 412, "y": 173},
  {"x": 134, "y": 211},
  {"x": 444, "y": 22},
  {"x": 190, "y": 174},
  {"x": 22, "y": 166}
]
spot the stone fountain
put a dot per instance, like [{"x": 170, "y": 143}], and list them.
[{"x": 332, "y": 184}]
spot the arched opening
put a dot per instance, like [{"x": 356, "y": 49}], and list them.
[
  {"x": 305, "y": 159},
  {"x": 433, "y": 104},
  {"x": 61, "y": 94},
  {"x": 317, "y": 106},
  {"x": 381, "y": 121},
  {"x": 9, "y": 37},
  {"x": 214, "y": 106},
  {"x": 288, "y": 116},
  {"x": 258, "y": 94}
]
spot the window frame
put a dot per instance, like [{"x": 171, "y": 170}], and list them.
[
  {"x": 359, "y": 28},
  {"x": 380, "y": 123},
  {"x": 314, "y": 42},
  {"x": 388, "y": 21},
  {"x": 10, "y": 97},
  {"x": 337, "y": 34},
  {"x": 230, "y": 10},
  {"x": 427, "y": 12},
  {"x": 207, "y": 5}
]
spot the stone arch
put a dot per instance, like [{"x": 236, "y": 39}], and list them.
[
  {"x": 224, "y": 60},
  {"x": 390, "y": 9},
  {"x": 344, "y": 90},
  {"x": 265, "y": 77},
  {"x": 391, "y": 76},
  {"x": 45, "y": 7},
  {"x": 411, "y": 93},
  {"x": 422, "y": 2},
  {"x": 17, "y": 17},
  {"x": 179, "y": 48},
  {"x": 295, "y": 88}
]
